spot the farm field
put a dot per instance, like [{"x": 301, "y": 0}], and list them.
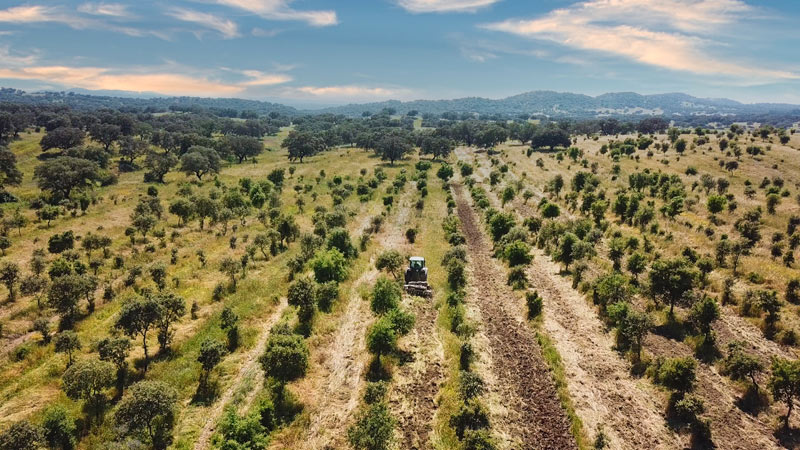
[
  {"x": 399, "y": 225},
  {"x": 588, "y": 291}
]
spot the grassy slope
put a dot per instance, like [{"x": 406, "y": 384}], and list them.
[{"x": 28, "y": 385}]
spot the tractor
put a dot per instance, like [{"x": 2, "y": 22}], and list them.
[{"x": 416, "y": 279}]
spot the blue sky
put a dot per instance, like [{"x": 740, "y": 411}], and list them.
[{"x": 315, "y": 52}]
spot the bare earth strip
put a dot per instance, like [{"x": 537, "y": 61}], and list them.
[
  {"x": 417, "y": 382},
  {"x": 600, "y": 385},
  {"x": 535, "y": 416},
  {"x": 251, "y": 370},
  {"x": 731, "y": 427}
]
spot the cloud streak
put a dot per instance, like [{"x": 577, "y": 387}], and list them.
[
  {"x": 670, "y": 34},
  {"x": 227, "y": 28},
  {"x": 38, "y": 14},
  {"x": 160, "y": 81},
  {"x": 280, "y": 10},
  {"x": 444, "y": 6},
  {"x": 31, "y": 14},
  {"x": 105, "y": 9},
  {"x": 344, "y": 93}
]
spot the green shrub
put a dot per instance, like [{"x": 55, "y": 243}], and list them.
[
  {"x": 386, "y": 295},
  {"x": 471, "y": 415},
  {"x": 329, "y": 265},
  {"x": 456, "y": 275},
  {"x": 517, "y": 278},
  {"x": 517, "y": 253},
  {"x": 534, "y": 303},
  {"x": 373, "y": 428},
  {"x": 677, "y": 374},
  {"x": 327, "y": 294}
]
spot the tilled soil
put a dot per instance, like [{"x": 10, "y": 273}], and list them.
[
  {"x": 731, "y": 427},
  {"x": 630, "y": 411},
  {"x": 418, "y": 381},
  {"x": 334, "y": 393},
  {"x": 535, "y": 416}
]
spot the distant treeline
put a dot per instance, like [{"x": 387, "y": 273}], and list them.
[{"x": 562, "y": 107}]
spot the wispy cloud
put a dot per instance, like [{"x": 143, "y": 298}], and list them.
[
  {"x": 13, "y": 59},
  {"x": 281, "y": 10},
  {"x": 258, "y": 78},
  {"x": 169, "y": 80},
  {"x": 36, "y": 13},
  {"x": 227, "y": 28},
  {"x": 345, "y": 93},
  {"x": 444, "y": 6},
  {"x": 261, "y": 32},
  {"x": 671, "y": 34},
  {"x": 482, "y": 50},
  {"x": 105, "y": 9},
  {"x": 31, "y": 14}
]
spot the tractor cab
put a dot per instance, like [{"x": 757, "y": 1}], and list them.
[
  {"x": 416, "y": 279},
  {"x": 416, "y": 263}
]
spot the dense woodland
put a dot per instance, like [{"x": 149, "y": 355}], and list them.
[{"x": 138, "y": 247}]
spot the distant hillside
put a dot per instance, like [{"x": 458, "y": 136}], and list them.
[
  {"x": 557, "y": 104},
  {"x": 89, "y": 102},
  {"x": 681, "y": 108}
]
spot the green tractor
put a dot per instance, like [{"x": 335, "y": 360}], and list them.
[{"x": 416, "y": 279}]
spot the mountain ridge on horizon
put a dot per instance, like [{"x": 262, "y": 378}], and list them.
[{"x": 539, "y": 102}]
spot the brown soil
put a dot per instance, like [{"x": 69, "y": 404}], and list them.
[
  {"x": 333, "y": 393},
  {"x": 630, "y": 411},
  {"x": 535, "y": 416},
  {"x": 417, "y": 382},
  {"x": 731, "y": 427}
]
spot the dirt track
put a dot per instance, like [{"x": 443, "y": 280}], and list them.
[
  {"x": 418, "y": 381},
  {"x": 535, "y": 416}
]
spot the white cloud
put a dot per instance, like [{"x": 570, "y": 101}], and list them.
[
  {"x": 227, "y": 28},
  {"x": 443, "y": 6},
  {"x": 280, "y": 10},
  {"x": 35, "y": 14},
  {"x": 98, "y": 78},
  {"x": 258, "y": 78},
  {"x": 11, "y": 58},
  {"x": 31, "y": 14},
  {"x": 261, "y": 32},
  {"x": 345, "y": 93},
  {"x": 169, "y": 80},
  {"x": 616, "y": 27},
  {"x": 105, "y": 9}
]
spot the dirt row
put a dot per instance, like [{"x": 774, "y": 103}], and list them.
[
  {"x": 605, "y": 395},
  {"x": 333, "y": 393},
  {"x": 534, "y": 416},
  {"x": 731, "y": 427},
  {"x": 417, "y": 380}
]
